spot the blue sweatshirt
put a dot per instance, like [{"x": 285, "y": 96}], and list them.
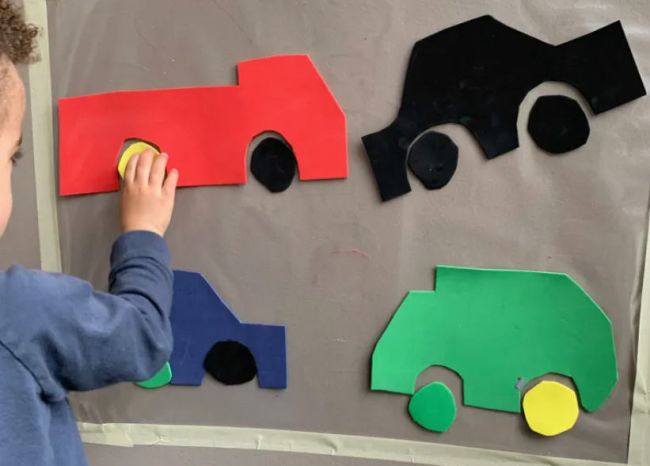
[{"x": 57, "y": 334}]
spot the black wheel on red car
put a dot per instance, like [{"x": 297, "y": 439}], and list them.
[
  {"x": 433, "y": 159},
  {"x": 273, "y": 164},
  {"x": 231, "y": 363},
  {"x": 557, "y": 124}
]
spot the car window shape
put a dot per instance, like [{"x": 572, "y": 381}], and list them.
[
  {"x": 476, "y": 74},
  {"x": 206, "y": 130}
]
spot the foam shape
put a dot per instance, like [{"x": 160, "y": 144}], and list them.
[
  {"x": 550, "y": 408},
  {"x": 131, "y": 149},
  {"x": 273, "y": 164},
  {"x": 200, "y": 319},
  {"x": 206, "y": 130},
  {"x": 160, "y": 379},
  {"x": 433, "y": 407},
  {"x": 433, "y": 159},
  {"x": 557, "y": 124},
  {"x": 495, "y": 327},
  {"x": 477, "y": 73},
  {"x": 231, "y": 363}
]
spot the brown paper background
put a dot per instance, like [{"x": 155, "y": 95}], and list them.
[{"x": 327, "y": 259}]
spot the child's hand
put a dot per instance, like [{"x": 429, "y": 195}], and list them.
[{"x": 147, "y": 196}]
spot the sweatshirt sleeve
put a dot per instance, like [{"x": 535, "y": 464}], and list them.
[{"x": 72, "y": 337}]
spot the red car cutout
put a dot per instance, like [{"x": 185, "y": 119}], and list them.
[{"x": 207, "y": 130}]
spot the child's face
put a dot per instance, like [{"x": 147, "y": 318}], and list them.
[{"x": 12, "y": 111}]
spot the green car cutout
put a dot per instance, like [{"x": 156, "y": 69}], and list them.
[{"x": 499, "y": 330}]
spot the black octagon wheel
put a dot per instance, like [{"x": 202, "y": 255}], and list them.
[
  {"x": 231, "y": 363},
  {"x": 557, "y": 124},
  {"x": 273, "y": 164},
  {"x": 433, "y": 159}
]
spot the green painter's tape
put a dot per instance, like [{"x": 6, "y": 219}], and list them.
[{"x": 494, "y": 327}]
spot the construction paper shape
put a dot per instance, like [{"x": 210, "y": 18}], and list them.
[
  {"x": 206, "y": 130},
  {"x": 231, "y": 363},
  {"x": 550, "y": 408},
  {"x": 200, "y": 319},
  {"x": 493, "y": 327},
  {"x": 129, "y": 151},
  {"x": 162, "y": 378},
  {"x": 433, "y": 159},
  {"x": 557, "y": 124},
  {"x": 477, "y": 73},
  {"x": 433, "y": 407},
  {"x": 273, "y": 164}
]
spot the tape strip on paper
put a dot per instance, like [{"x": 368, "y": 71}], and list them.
[
  {"x": 40, "y": 92},
  {"x": 351, "y": 446},
  {"x": 640, "y": 423}
]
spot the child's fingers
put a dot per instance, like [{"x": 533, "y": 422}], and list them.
[
  {"x": 129, "y": 172},
  {"x": 143, "y": 169},
  {"x": 158, "y": 170},
  {"x": 169, "y": 186}
]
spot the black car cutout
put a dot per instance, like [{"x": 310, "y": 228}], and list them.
[{"x": 476, "y": 74}]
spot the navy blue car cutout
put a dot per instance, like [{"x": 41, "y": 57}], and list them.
[
  {"x": 208, "y": 337},
  {"x": 476, "y": 74}
]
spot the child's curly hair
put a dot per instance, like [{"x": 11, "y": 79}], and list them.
[{"x": 17, "y": 38}]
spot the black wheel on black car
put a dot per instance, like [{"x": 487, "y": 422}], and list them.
[
  {"x": 433, "y": 158},
  {"x": 231, "y": 363},
  {"x": 557, "y": 124},
  {"x": 273, "y": 164}
]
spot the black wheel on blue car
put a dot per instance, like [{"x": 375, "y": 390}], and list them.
[{"x": 231, "y": 363}]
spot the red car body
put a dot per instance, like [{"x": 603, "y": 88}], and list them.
[{"x": 206, "y": 130}]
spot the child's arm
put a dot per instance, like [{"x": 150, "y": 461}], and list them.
[{"x": 74, "y": 338}]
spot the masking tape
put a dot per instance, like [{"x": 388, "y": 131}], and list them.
[
  {"x": 640, "y": 423},
  {"x": 352, "y": 446},
  {"x": 40, "y": 92}
]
